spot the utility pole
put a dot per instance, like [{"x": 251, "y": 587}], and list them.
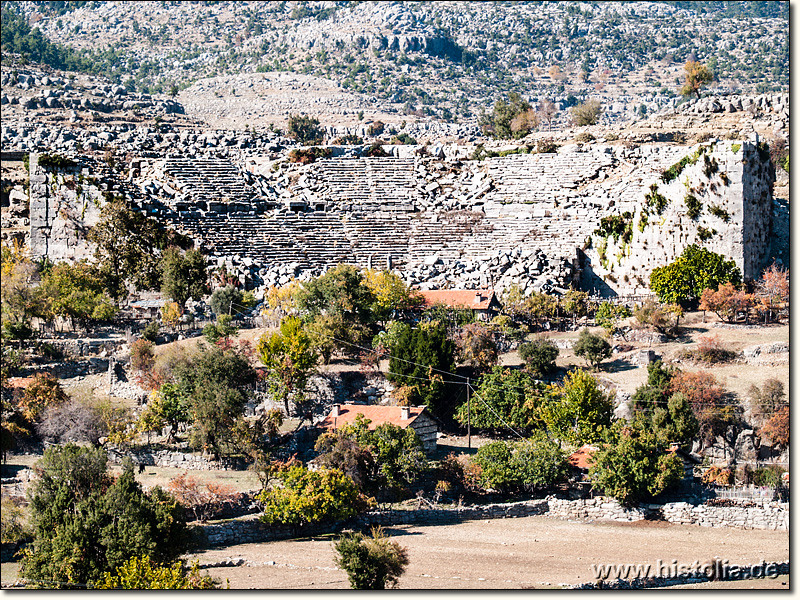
[{"x": 469, "y": 417}]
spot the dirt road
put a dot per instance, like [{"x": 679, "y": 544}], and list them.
[{"x": 538, "y": 552}]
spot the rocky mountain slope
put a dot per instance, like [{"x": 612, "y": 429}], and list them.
[{"x": 436, "y": 60}]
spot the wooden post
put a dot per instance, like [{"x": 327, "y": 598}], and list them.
[{"x": 469, "y": 419}]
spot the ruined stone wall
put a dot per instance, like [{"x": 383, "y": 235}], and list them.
[
  {"x": 524, "y": 219},
  {"x": 64, "y": 204},
  {"x": 729, "y": 184}
]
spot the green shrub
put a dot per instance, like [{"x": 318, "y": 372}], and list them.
[
  {"x": 705, "y": 234},
  {"x": 719, "y": 212},
  {"x": 86, "y": 524},
  {"x": 150, "y": 332},
  {"x": 593, "y": 348},
  {"x": 376, "y": 151},
  {"x": 617, "y": 226},
  {"x": 675, "y": 170},
  {"x": 309, "y": 496},
  {"x": 56, "y": 161},
  {"x": 532, "y": 464},
  {"x": 539, "y": 356},
  {"x": 769, "y": 476},
  {"x": 371, "y": 563},
  {"x": 693, "y": 206}
]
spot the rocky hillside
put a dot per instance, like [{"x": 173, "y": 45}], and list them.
[{"x": 437, "y": 60}]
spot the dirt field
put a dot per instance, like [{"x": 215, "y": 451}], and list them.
[{"x": 531, "y": 552}]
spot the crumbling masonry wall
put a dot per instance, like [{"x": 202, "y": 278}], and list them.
[{"x": 442, "y": 220}]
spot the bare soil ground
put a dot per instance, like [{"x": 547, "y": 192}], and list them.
[
  {"x": 737, "y": 376},
  {"x": 531, "y": 552}
]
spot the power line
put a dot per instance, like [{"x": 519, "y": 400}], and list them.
[
  {"x": 495, "y": 412},
  {"x": 504, "y": 386}
]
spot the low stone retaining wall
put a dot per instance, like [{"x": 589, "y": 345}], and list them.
[
  {"x": 758, "y": 515},
  {"x": 249, "y": 529},
  {"x": 765, "y": 515},
  {"x": 173, "y": 459}
]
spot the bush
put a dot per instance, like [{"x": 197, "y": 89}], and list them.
[
  {"x": 711, "y": 350},
  {"x": 404, "y": 139},
  {"x": 13, "y": 523},
  {"x": 592, "y": 348},
  {"x": 539, "y": 356},
  {"x": 499, "y": 401},
  {"x": 150, "y": 332},
  {"x": 305, "y": 130},
  {"x": 309, "y": 155},
  {"x": 777, "y": 428},
  {"x": 141, "y": 573},
  {"x": 634, "y": 467},
  {"x": 608, "y": 315},
  {"x": 684, "y": 279},
  {"x": 214, "y": 332},
  {"x": 302, "y": 496},
  {"x": 576, "y": 412},
  {"x": 769, "y": 476},
  {"x": 226, "y": 300},
  {"x": 397, "y": 452},
  {"x": 587, "y": 113},
  {"x": 768, "y": 398},
  {"x": 476, "y": 346},
  {"x": 376, "y": 151},
  {"x": 339, "y": 451},
  {"x": 375, "y": 128},
  {"x": 718, "y": 476},
  {"x": 142, "y": 355},
  {"x": 371, "y": 563},
  {"x": 708, "y": 401},
  {"x": 42, "y": 393},
  {"x": 72, "y": 422},
  {"x": 533, "y": 464},
  {"x": 204, "y": 500},
  {"x": 56, "y": 161}
]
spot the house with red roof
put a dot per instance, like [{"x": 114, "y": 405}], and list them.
[
  {"x": 581, "y": 460},
  {"x": 483, "y": 303},
  {"x": 415, "y": 417}
]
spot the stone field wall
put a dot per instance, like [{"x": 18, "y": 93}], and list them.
[{"x": 766, "y": 515}]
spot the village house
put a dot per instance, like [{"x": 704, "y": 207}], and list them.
[
  {"x": 415, "y": 417},
  {"x": 483, "y": 303}
]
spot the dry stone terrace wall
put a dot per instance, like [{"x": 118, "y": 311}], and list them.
[
  {"x": 767, "y": 515},
  {"x": 519, "y": 219}
]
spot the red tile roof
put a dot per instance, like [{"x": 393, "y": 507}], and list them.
[
  {"x": 459, "y": 298},
  {"x": 375, "y": 413},
  {"x": 580, "y": 458}
]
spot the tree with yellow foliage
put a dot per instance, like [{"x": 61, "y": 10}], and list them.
[
  {"x": 697, "y": 75},
  {"x": 390, "y": 292}
]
